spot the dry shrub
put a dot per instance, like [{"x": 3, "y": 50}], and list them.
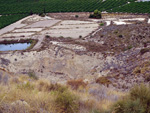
[
  {"x": 36, "y": 100},
  {"x": 103, "y": 80},
  {"x": 67, "y": 102},
  {"x": 14, "y": 80},
  {"x": 45, "y": 85},
  {"x": 75, "y": 84},
  {"x": 137, "y": 70},
  {"x": 147, "y": 77},
  {"x": 138, "y": 101}
]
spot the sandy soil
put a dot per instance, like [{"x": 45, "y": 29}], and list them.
[
  {"x": 149, "y": 21},
  {"x": 120, "y": 23},
  {"x": 73, "y": 29},
  {"x": 28, "y": 30},
  {"x": 17, "y": 34},
  {"x": 44, "y": 23}
]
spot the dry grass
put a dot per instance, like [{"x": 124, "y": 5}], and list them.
[
  {"x": 75, "y": 84},
  {"x": 25, "y": 94}
]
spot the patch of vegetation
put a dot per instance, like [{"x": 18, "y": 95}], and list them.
[
  {"x": 26, "y": 85},
  {"x": 147, "y": 77},
  {"x": 75, "y": 84},
  {"x": 120, "y": 36},
  {"x": 101, "y": 24},
  {"x": 6, "y": 20},
  {"x": 67, "y": 102},
  {"x": 134, "y": 7},
  {"x": 44, "y": 85},
  {"x": 42, "y": 14},
  {"x": 103, "y": 80},
  {"x": 32, "y": 75},
  {"x": 40, "y": 6},
  {"x": 33, "y": 43},
  {"x": 43, "y": 96},
  {"x": 129, "y": 47},
  {"x": 138, "y": 101},
  {"x": 96, "y": 14},
  {"x": 143, "y": 68},
  {"x": 137, "y": 70}
]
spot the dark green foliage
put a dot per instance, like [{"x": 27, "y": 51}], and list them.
[
  {"x": 138, "y": 101},
  {"x": 45, "y": 6},
  {"x": 101, "y": 24},
  {"x": 42, "y": 14},
  {"x": 133, "y": 7},
  {"x": 6, "y": 20},
  {"x": 96, "y": 14}
]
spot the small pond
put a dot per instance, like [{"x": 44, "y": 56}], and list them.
[{"x": 15, "y": 46}]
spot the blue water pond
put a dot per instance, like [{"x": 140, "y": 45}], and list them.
[{"x": 12, "y": 47}]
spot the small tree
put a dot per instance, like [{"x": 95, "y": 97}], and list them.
[{"x": 97, "y": 14}]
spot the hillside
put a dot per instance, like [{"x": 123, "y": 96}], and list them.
[
  {"x": 74, "y": 62},
  {"x": 11, "y": 9}
]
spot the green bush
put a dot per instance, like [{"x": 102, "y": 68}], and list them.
[
  {"x": 101, "y": 24},
  {"x": 96, "y": 14},
  {"x": 42, "y": 14},
  {"x": 138, "y": 101}
]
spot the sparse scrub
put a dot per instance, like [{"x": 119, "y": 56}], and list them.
[
  {"x": 137, "y": 70},
  {"x": 45, "y": 85},
  {"x": 26, "y": 85},
  {"x": 100, "y": 93},
  {"x": 37, "y": 96},
  {"x": 75, "y": 84},
  {"x": 67, "y": 102},
  {"x": 147, "y": 78},
  {"x": 103, "y": 80},
  {"x": 137, "y": 101},
  {"x": 32, "y": 75}
]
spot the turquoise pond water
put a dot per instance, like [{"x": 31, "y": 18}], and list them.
[{"x": 12, "y": 47}]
